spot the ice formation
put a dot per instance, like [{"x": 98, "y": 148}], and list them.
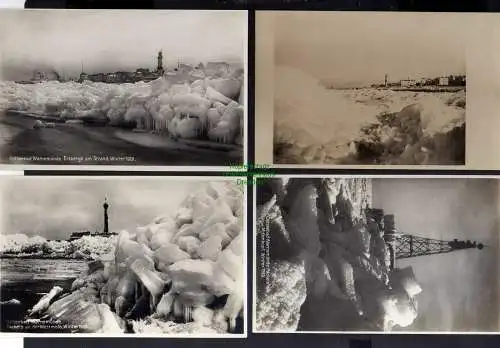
[
  {"x": 87, "y": 247},
  {"x": 317, "y": 125},
  {"x": 335, "y": 273},
  {"x": 183, "y": 272},
  {"x": 203, "y": 108}
]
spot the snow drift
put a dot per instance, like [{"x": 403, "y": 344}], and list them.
[
  {"x": 183, "y": 272},
  {"x": 315, "y": 125}
]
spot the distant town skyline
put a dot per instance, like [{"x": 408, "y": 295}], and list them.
[
  {"x": 62, "y": 40},
  {"x": 333, "y": 82},
  {"x": 54, "y": 209},
  {"x": 358, "y": 49}
]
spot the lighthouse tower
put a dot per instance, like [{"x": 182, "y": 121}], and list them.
[{"x": 106, "y": 226}]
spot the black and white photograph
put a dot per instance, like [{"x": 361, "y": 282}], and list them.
[
  {"x": 321, "y": 341},
  {"x": 359, "y": 88},
  {"x": 386, "y": 254},
  {"x": 145, "y": 88},
  {"x": 123, "y": 255}
]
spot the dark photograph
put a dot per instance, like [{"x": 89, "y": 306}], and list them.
[
  {"x": 116, "y": 256},
  {"x": 377, "y": 255},
  {"x": 93, "y": 87}
]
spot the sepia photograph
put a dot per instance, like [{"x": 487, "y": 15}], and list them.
[
  {"x": 90, "y": 87},
  {"x": 379, "y": 89},
  {"x": 114, "y": 255},
  {"x": 393, "y": 254}
]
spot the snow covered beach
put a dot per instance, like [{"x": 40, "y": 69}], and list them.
[{"x": 316, "y": 125}]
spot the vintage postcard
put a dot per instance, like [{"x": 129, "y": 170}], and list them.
[
  {"x": 137, "y": 88},
  {"x": 359, "y": 254},
  {"x": 114, "y": 255}
]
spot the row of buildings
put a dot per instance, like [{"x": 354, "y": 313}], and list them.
[{"x": 144, "y": 74}]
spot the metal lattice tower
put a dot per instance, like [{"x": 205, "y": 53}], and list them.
[{"x": 403, "y": 246}]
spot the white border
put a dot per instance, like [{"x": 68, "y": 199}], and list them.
[
  {"x": 152, "y": 335},
  {"x": 367, "y": 176},
  {"x": 166, "y": 167},
  {"x": 11, "y": 342}
]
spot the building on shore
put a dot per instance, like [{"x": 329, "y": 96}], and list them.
[
  {"x": 444, "y": 81},
  {"x": 78, "y": 235},
  {"x": 140, "y": 74}
]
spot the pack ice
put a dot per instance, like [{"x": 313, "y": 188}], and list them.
[{"x": 197, "y": 108}]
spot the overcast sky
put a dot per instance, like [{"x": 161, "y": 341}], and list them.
[
  {"x": 359, "y": 48},
  {"x": 115, "y": 40},
  {"x": 460, "y": 289},
  {"x": 56, "y": 207}
]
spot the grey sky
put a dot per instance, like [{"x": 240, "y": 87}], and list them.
[
  {"x": 460, "y": 289},
  {"x": 115, "y": 40},
  {"x": 358, "y": 48},
  {"x": 55, "y": 207}
]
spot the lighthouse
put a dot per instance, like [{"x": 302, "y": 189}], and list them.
[{"x": 106, "y": 227}]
